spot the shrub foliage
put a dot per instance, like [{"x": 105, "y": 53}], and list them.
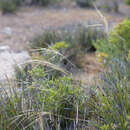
[
  {"x": 118, "y": 42},
  {"x": 127, "y": 2},
  {"x": 85, "y": 3},
  {"x": 48, "y": 97},
  {"x": 74, "y": 40},
  {"x": 8, "y": 6}
]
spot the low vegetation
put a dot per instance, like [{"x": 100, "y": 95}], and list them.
[
  {"x": 111, "y": 5},
  {"x": 10, "y": 6},
  {"x": 71, "y": 41},
  {"x": 43, "y": 2},
  {"x": 47, "y": 97},
  {"x": 85, "y": 3},
  {"x": 118, "y": 43},
  {"x": 61, "y": 103},
  {"x": 127, "y": 2}
]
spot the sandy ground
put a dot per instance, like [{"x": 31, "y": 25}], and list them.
[{"x": 8, "y": 61}]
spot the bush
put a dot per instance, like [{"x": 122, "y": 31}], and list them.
[
  {"x": 40, "y": 2},
  {"x": 111, "y": 5},
  {"x": 78, "y": 40},
  {"x": 121, "y": 35},
  {"x": 127, "y": 2},
  {"x": 44, "y": 2},
  {"x": 48, "y": 92},
  {"x": 8, "y": 6},
  {"x": 62, "y": 103},
  {"x": 118, "y": 43},
  {"x": 75, "y": 35},
  {"x": 55, "y": 102},
  {"x": 85, "y": 3}
]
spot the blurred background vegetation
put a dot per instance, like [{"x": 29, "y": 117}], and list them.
[{"x": 12, "y": 5}]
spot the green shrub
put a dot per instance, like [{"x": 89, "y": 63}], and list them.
[
  {"x": 78, "y": 40},
  {"x": 8, "y": 6},
  {"x": 53, "y": 102},
  {"x": 40, "y": 2},
  {"x": 127, "y": 2},
  {"x": 78, "y": 34},
  {"x": 44, "y": 2},
  {"x": 60, "y": 102},
  {"x": 85, "y": 3},
  {"x": 60, "y": 45},
  {"x": 121, "y": 34},
  {"x": 118, "y": 43},
  {"x": 44, "y": 40},
  {"x": 111, "y": 5}
]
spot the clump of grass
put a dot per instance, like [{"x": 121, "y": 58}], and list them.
[
  {"x": 41, "y": 104},
  {"x": 113, "y": 107},
  {"x": 72, "y": 34},
  {"x": 44, "y": 2},
  {"x": 85, "y": 3},
  {"x": 8, "y": 6},
  {"x": 60, "y": 102},
  {"x": 109, "y": 6},
  {"x": 77, "y": 40}
]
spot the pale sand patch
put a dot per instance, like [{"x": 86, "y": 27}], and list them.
[{"x": 8, "y": 60}]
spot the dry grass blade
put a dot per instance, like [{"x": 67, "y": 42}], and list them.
[
  {"x": 56, "y": 52},
  {"x": 41, "y": 121},
  {"x": 103, "y": 19},
  {"x": 38, "y": 118},
  {"x": 46, "y": 63}
]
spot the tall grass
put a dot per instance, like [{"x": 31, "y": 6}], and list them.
[
  {"x": 114, "y": 93},
  {"x": 45, "y": 104},
  {"x": 61, "y": 103},
  {"x": 46, "y": 97}
]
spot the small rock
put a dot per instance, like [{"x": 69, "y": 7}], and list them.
[
  {"x": 8, "y": 30},
  {"x": 9, "y": 60},
  {"x": 4, "y": 48}
]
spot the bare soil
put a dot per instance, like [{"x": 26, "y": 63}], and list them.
[{"x": 91, "y": 69}]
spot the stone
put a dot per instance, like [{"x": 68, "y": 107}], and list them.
[{"x": 9, "y": 60}]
